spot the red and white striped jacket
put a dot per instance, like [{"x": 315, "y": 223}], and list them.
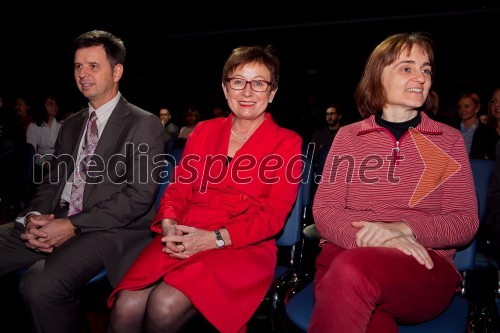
[{"x": 424, "y": 179}]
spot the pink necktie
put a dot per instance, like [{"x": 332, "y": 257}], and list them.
[{"x": 79, "y": 175}]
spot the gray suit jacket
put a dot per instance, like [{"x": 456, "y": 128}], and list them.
[{"x": 119, "y": 196}]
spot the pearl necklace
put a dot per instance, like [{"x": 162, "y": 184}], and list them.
[{"x": 238, "y": 136}]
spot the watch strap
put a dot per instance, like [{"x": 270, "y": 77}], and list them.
[{"x": 219, "y": 241}]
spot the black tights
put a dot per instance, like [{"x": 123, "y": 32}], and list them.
[{"x": 160, "y": 308}]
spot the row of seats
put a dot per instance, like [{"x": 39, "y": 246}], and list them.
[{"x": 292, "y": 299}]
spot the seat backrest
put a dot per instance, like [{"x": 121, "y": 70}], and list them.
[
  {"x": 308, "y": 178},
  {"x": 465, "y": 258},
  {"x": 174, "y": 156},
  {"x": 165, "y": 178},
  {"x": 292, "y": 232},
  {"x": 482, "y": 170},
  {"x": 28, "y": 163},
  {"x": 321, "y": 159}
]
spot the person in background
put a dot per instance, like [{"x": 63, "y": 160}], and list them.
[
  {"x": 97, "y": 214},
  {"x": 12, "y": 136},
  {"x": 396, "y": 199},
  {"x": 191, "y": 119},
  {"x": 215, "y": 246},
  {"x": 480, "y": 140},
  {"x": 12, "y": 161},
  {"x": 171, "y": 130},
  {"x": 494, "y": 110},
  {"x": 42, "y": 134},
  {"x": 323, "y": 137},
  {"x": 23, "y": 106}
]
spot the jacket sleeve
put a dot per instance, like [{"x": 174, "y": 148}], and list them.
[
  {"x": 457, "y": 222},
  {"x": 331, "y": 217}
]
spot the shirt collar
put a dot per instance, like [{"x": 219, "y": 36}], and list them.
[{"x": 104, "y": 112}]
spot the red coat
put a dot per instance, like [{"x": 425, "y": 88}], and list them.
[{"x": 225, "y": 285}]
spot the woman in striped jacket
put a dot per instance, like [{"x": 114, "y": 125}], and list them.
[{"x": 396, "y": 199}]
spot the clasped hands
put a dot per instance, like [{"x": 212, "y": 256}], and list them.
[
  {"x": 396, "y": 235},
  {"x": 43, "y": 233},
  {"x": 182, "y": 241}
]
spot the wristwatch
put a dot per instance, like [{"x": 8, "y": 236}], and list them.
[{"x": 218, "y": 240}]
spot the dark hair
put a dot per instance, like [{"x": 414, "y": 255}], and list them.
[
  {"x": 114, "y": 47},
  {"x": 40, "y": 115},
  {"x": 492, "y": 121},
  {"x": 433, "y": 98},
  {"x": 337, "y": 107},
  {"x": 370, "y": 94},
  {"x": 247, "y": 54}
]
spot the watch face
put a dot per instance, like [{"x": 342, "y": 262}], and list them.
[{"x": 220, "y": 243}]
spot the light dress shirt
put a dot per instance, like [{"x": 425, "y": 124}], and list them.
[
  {"x": 468, "y": 134},
  {"x": 43, "y": 138}
]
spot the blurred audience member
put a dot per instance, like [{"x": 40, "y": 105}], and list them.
[
  {"x": 23, "y": 110},
  {"x": 191, "y": 119},
  {"x": 11, "y": 132},
  {"x": 323, "y": 137},
  {"x": 171, "y": 130},
  {"x": 42, "y": 134},
  {"x": 12, "y": 147},
  {"x": 494, "y": 110},
  {"x": 480, "y": 140}
]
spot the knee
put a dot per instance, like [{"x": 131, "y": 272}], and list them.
[
  {"x": 348, "y": 272},
  {"x": 36, "y": 287},
  {"x": 126, "y": 304},
  {"x": 167, "y": 311},
  {"x": 165, "y": 308}
]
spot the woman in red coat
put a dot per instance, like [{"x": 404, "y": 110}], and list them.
[{"x": 215, "y": 250}]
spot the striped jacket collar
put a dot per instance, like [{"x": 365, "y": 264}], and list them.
[{"x": 426, "y": 126}]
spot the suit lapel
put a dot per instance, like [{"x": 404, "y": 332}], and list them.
[
  {"x": 114, "y": 126},
  {"x": 77, "y": 134}
]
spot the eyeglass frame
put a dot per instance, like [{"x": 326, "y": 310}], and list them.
[{"x": 228, "y": 80}]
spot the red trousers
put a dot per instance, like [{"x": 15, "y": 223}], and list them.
[{"x": 371, "y": 289}]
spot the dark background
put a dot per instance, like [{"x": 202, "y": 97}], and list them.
[{"x": 175, "y": 53}]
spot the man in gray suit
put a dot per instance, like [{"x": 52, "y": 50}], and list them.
[{"x": 111, "y": 225}]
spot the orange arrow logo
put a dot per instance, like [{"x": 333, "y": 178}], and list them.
[{"x": 434, "y": 159}]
